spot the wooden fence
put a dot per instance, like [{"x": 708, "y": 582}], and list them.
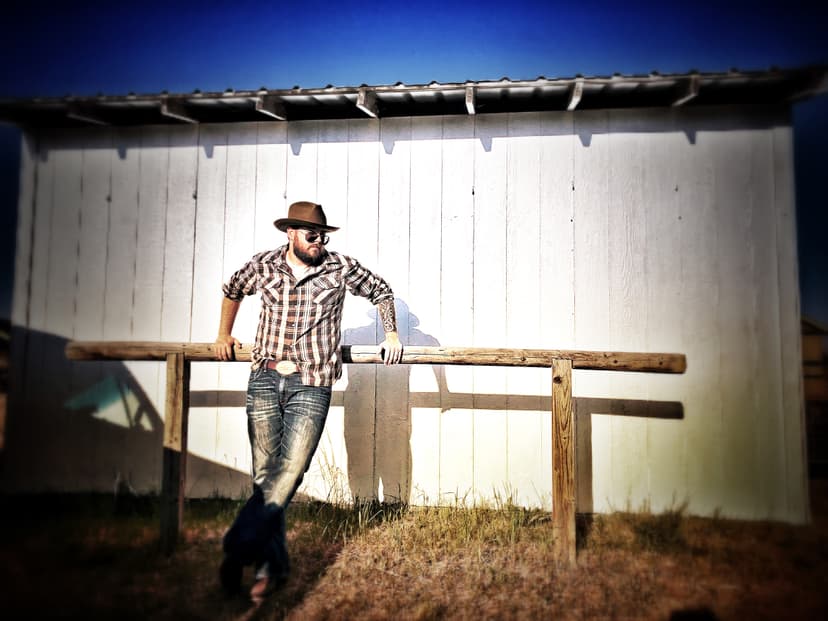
[{"x": 178, "y": 357}]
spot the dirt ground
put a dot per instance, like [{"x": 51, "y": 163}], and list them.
[{"x": 66, "y": 557}]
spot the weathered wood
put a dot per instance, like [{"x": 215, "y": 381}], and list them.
[
  {"x": 175, "y": 449},
  {"x": 368, "y": 354},
  {"x": 562, "y": 362},
  {"x": 146, "y": 350},
  {"x": 563, "y": 462}
]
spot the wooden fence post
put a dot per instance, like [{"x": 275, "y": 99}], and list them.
[
  {"x": 179, "y": 356},
  {"x": 175, "y": 449},
  {"x": 563, "y": 462}
]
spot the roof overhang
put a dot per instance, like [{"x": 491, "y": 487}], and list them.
[{"x": 771, "y": 87}]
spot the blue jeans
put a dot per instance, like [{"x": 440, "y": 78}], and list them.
[{"x": 285, "y": 419}]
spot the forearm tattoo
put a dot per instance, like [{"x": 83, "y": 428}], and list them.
[{"x": 388, "y": 315}]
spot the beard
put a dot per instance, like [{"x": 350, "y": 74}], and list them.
[{"x": 308, "y": 258}]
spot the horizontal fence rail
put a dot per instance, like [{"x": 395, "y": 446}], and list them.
[
  {"x": 178, "y": 357},
  {"x": 369, "y": 354}
]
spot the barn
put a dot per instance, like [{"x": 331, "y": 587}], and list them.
[{"x": 651, "y": 213}]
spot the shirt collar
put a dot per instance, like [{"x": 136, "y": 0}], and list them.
[{"x": 280, "y": 259}]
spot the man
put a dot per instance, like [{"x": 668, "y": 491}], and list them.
[{"x": 295, "y": 361}]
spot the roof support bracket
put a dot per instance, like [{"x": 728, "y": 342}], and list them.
[
  {"x": 575, "y": 94},
  {"x": 81, "y": 113},
  {"x": 174, "y": 110},
  {"x": 367, "y": 102},
  {"x": 815, "y": 87},
  {"x": 271, "y": 106},
  {"x": 471, "y": 96},
  {"x": 691, "y": 89}
]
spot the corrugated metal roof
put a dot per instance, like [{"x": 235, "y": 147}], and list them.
[{"x": 771, "y": 87}]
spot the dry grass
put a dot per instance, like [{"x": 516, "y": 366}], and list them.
[{"x": 86, "y": 557}]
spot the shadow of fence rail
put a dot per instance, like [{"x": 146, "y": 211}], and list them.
[{"x": 178, "y": 357}]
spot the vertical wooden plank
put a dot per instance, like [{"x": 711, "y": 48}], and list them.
[
  {"x": 523, "y": 243},
  {"x": 90, "y": 290},
  {"x": 43, "y": 206},
  {"x": 178, "y": 255},
  {"x": 563, "y": 462},
  {"x": 456, "y": 306},
  {"x": 627, "y": 300},
  {"x": 271, "y": 204},
  {"x": 489, "y": 322},
  {"x": 92, "y": 262},
  {"x": 359, "y": 238},
  {"x": 271, "y": 182},
  {"x": 239, "y": 236},
  {"x": 796, "y": 467},
  {"x": 122, "y": 235},
  {"x": 148, "y": 288},
  {"x": 208, "y": 265},
  {"x": 26, "y": 205},
  {"x": 302, "y": 185},
  {"x": 123, "y": 454},
  {"x": 34, "y": 398},
  {"x": 700, "y": 323},
  {"x": 64, "y": 238},
  {"x": 231, "y": 440},
  {"x": 154, "y": 163},
  {"x": 21, "y": 295},
  {"x": 736, "y": 281},
  {"x": 557, "y": 288},
  {"x": 174, "y": 450},
  {"x": 327, "y": 476},
  {"x": 332, "y": 175},
  {"x": 765, "y": 360},
  {"x": 665, "y": 155},
  {"x": 393, "y": 432},
  {"x": 179, "y": 243},
  {"x": 58, "y": 471},
  {"x": 424, "y": 295},
  {"x": 591, "y": 260}
]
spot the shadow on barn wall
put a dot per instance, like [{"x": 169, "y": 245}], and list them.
[
  {"x": 89, "y": 426},
  {"x": 388, "y": 465}
]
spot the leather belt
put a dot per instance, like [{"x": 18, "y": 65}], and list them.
[{"x": 282, "y": 367}]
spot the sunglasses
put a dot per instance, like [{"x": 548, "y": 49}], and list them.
[{"x": 313, "y": 236}]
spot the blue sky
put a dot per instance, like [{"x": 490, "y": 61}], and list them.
[
  {"x": 85, "y": 48},
  {"x": 109, "y": 47}
]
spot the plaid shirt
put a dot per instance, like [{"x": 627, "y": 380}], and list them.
[{"x": 300, "y": 320}]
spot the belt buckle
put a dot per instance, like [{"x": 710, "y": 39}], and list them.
[{"x": 286, "y": 367}]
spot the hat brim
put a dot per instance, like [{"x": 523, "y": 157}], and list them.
[{"x": 283, "y": 223}]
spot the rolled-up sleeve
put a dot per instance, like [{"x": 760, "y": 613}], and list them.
[
  {"x": 243, "y": 282},
  {"x": 364, "y": 283}
]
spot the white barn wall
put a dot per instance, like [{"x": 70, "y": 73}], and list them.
[
  {"x": 392, "y": 464},
  {"x": 456, "y": 253},
  {"x": 489, "y": 322},
  {"x": 426, "y": 240},
  {"x": 591, "y": 297},
  {"x": 628, "y": 230},
  {"x": 790, "y": 411},
  {"x": 665, "y": 440}
]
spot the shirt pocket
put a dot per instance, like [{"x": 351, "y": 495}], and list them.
[
  {"x": 272, "y": 292},
  {"x": 325, "y": 289}
]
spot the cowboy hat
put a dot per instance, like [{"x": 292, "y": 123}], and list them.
[{"x": 304, "y": 214}]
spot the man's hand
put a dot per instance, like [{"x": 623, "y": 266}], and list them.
[
  {"x": 224, "y": 347},
  {"x": 391, "y": 349}
]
